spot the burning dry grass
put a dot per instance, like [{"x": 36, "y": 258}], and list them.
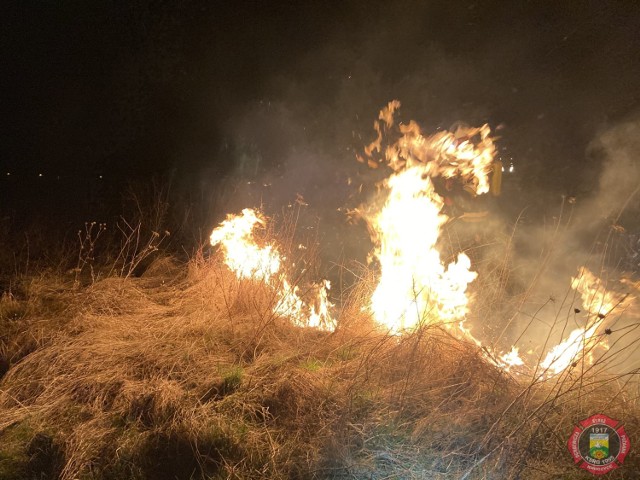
[{"x": 188, "y": 373}]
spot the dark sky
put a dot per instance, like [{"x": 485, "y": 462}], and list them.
[{"x": 128, "y": 89}]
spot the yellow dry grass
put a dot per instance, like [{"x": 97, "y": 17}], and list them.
[{"x": 186, "y": 373}]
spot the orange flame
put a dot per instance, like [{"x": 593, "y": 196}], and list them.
[
  {"x": 248, "y": 260},
  {"x": 415, "y": 285},
  {"x": 242, "y": 255},
  {"x": 599, "y": 303}
]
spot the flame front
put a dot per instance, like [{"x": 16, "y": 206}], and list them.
[
  {"x": 415, "y": 285},
  {"x": 510, "y": 360},
  {"x": 242, "y": 255},
  {"x": 599, "y": 303},
  {"x": 248, "y": 260}
]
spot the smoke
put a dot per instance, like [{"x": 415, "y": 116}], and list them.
[
  {"x": 297, "y": 134},
  {"x": 595, "y": 229},
  {"x": 602, "y": 218},
  {"x": 616, "y": 197}
]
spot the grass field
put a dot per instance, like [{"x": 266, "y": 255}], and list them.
[{"x": 185, "y": 372}]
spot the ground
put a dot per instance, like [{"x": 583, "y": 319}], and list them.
[{"x": 186, "y": 373}]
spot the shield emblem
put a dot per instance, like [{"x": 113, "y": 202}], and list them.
[{"x": 599, "y": 445}]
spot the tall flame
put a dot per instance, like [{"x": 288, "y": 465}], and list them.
[
  {"x": 248, "y": 260},
  {"x": 415, "y": 285}
]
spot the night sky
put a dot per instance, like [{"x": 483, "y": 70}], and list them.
[{"x": 205, "y": 92}]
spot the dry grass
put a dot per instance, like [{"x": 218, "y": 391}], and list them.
[{"x": 185, "y": 373}]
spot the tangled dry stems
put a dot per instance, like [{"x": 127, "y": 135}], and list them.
[{"x": 187, "y": 373}]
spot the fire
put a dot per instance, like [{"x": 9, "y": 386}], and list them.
[
  {"x": 415, "y": 285},
  {"x": 413, "y": 279},
  {"x": 599, "y": 303},
  {"x": 565, "y": 353},
  {"x": 511, "y": 359},
  {"x": 248, "y": 260},
  {"x": 242, "y": 255},
  {"x": 466, "y": 153}
]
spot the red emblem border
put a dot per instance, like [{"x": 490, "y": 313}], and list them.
[{"x": 598, "y": 419}]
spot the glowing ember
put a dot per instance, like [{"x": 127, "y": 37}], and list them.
[
  {"x": 248, "y": 260},
  {"x": 415, "y": 286},
  {"x": 580, "y": 343}
]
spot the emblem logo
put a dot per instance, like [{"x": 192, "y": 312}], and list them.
[{"x": 599, "y": 444}]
